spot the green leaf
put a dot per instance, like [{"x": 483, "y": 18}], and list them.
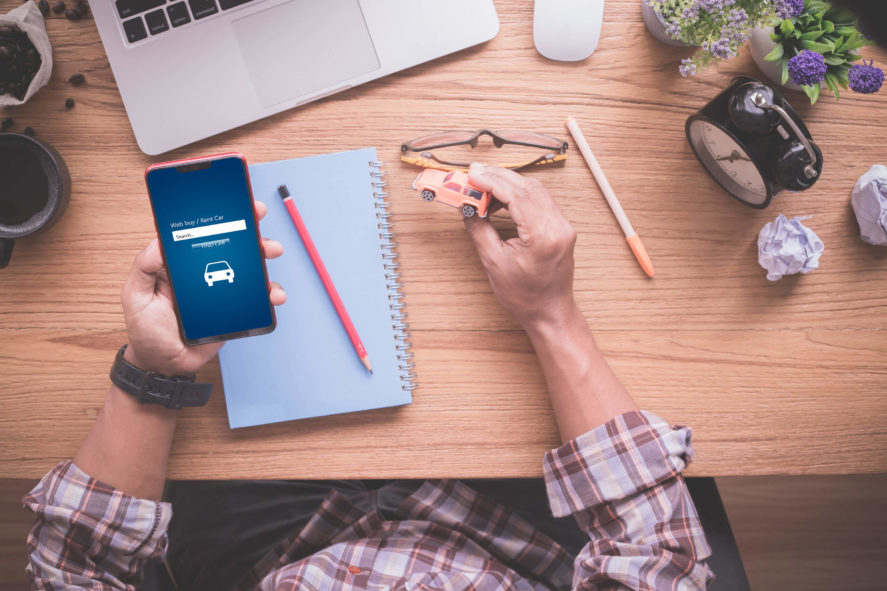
[
  {"x": 784, "y": 71},
  {"x": 818, "y": 47},
  {"x": 811, "y": 35},
  {"x": 776, "y": 54},
  {"x": 852, "y": 57},
  {"x": 786, "y": 27},
  {"x": 832, "y": 82},
  {"x": 846, "y": 30},
  {"x": 812, "y": 92},
  {"x": 840, "y": 15},
  {"x": 856, "y": 44},
  {"x": 829, "y": 26},
  {"x": 833, "y": 60},
  {"x": 842, "y": 74}
]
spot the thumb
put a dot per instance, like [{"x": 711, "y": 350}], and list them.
[
  {"x": 484, "y": 236},
  {"x": 145, "y": 267}
]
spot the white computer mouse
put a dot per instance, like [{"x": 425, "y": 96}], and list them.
[{"x": 567, "y": 30}]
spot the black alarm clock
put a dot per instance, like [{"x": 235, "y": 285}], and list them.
[{"x": 753, "y": 143}]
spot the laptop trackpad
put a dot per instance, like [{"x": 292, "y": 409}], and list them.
[{"x": 298, "y": 48}]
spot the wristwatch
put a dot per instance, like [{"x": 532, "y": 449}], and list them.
[{"x": 150, "y": 387}]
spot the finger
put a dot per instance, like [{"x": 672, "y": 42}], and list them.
[
  {"x": 271, "y": 248},
  {"x": 261, "y": 209},
  {"x": 277, "y": 294},
  {"x": 506, "y": 186},
  {"x": 146, "y": 266},
  {"x": 503, "y": 183},
  {"x": 484, "y": 237}
]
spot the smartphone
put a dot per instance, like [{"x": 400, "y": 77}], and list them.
[{"x": 209, "y": 236}]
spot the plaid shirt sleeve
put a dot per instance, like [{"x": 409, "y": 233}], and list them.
[
  {"x": 88, "y": 535},
  {"x": 622, "y": 482}
]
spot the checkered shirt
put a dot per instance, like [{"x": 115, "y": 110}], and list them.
[{"x": 621, "y": 482}]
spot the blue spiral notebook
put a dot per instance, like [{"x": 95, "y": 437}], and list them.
[{"x": 307, "y": 367}]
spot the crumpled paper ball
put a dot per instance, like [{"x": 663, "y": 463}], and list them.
[
  {"x": 869, "y": 201},
  {"x": 786, "y": 247}
]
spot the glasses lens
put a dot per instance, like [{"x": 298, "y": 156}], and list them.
[
  {"x": 528, "y": 137},
  {"x": 437, "y": 139}
]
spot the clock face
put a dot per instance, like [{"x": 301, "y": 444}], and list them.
[{"x": 728, "y": 162}]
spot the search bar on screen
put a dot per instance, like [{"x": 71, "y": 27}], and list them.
[{"x": 211, "y": 230}]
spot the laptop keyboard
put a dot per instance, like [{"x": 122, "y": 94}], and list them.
[{"x": 144, "y": 18}]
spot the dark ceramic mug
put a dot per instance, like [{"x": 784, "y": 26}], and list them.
[{"x": 35, "y": 188}]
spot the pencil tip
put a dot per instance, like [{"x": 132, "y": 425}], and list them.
[
  {"x": 283, "y": 191},
  {"x": 366, "y": 362},
  {"x": 640, "y": 253}
]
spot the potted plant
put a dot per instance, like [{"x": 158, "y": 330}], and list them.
[
  {"x": 717, "y": 27},
  {"x": 815, "y": 43}
]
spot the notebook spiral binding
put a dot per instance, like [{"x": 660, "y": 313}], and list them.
[{"x": 387, "y": 239}]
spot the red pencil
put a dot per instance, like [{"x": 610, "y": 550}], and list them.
[{"x": 325, "y": 277}]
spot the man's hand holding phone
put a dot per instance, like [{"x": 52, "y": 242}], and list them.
[{"x": 155, "y": 342}]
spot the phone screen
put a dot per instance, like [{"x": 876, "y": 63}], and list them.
[{"x": 205, "y": 221}]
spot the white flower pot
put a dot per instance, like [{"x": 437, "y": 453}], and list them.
[
  {"x": 760, "y": 45},
  {"x": 656, "y": 25}
]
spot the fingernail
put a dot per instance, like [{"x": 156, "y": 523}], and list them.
[{"x": 476, "y": 167}]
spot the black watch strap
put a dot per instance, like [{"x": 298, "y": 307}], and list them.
[{"x": 150, "y": 387}]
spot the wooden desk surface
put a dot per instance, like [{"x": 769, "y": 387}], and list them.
[{"x": 786, "y": 377}]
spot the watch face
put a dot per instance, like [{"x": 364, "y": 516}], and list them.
[{"x": 728, "y": 162}]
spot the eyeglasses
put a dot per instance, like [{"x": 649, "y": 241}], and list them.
[{"x": 419, "y": 150}]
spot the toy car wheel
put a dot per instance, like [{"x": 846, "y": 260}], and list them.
[
  {"x": 428, "y": 195},
  {"x": 468, "y": 211}
]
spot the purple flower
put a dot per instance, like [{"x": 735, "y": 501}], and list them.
[
  {"x": 673, "y": 29},
  {"x": 865, "y": 78},
  {"x": 789, "y": 8},
  {"x": 712, "y": 6},
  {"x": 687, "y": 68},
  {"x": 738, "y": 17},
  {"x": 740, "y": 36},
  {"x": 691, "y": 13},
  {"x": 721, "y": 48},
  {"x": 807, "y": 68}
]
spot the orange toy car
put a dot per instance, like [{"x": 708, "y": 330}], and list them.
[{"x": 453, "y": 189}]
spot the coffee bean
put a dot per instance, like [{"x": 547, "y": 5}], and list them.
[
  {"x": 82, "y": 8},
  {"x": 19, "y": 62},
  {"x": 7, "y": 123},
  {"x": 29, "y": 131},
  {"x": 43, "y": 5},
  {"x": 69, "y": 103},
  {"x": 58, "y": 7},
  {"x": 72, "y": 15},
  {"x": 77, "y": 79}
]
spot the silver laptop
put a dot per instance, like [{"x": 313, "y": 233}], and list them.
[{"x": 189, "y": 69}]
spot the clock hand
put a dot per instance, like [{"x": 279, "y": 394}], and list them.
[{"x": 733, "y": 157}]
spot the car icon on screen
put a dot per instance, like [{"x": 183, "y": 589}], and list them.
[{"x": 218, "y": 271}]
